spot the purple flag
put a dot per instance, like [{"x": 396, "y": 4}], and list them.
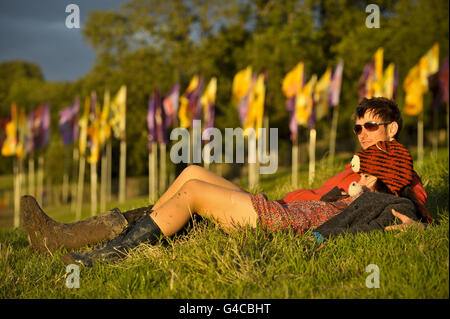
[
  {"x": 443, "y": 79},
  {"x": 3, "y": 123},
  {"x": 170, "y": 104},
  {"x": 335, "y": 85},
  {"x": 194, "y": 105},
  {"x": 293, "y": 126},
  {"x": 438, "y": 85},
  {"x": 39, "y": 123},
  {"x": 244, "y": 102},
  {"x": 156, "y": 118},
  {"x": 68, "y": 122},
  {"x": 366, "y": 76}
]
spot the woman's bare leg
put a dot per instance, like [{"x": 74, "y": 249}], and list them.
[
  {"x": 228, "y": 207},
  {"x": 198, "y": 173}
]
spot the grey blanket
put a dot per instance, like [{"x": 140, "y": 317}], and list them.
[{"x": 370, "y": 211}]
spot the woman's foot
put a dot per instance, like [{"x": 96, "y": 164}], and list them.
[{"x": 145, "y": 230}]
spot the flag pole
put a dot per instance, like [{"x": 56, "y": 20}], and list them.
[
  {"x": 448, "y": 127},
  {"x": 16, "y": 179},
  {"x": 82, "y": 163},
  {"x": 312, "y": 155},
  {"x": 420, "y": 140},
  {"x": 103, "y": 181},
  {"x": 108, "y": 170},
  {"x": 40, "y": 179},
  {"x": 74, "y": 174},
  {"x": 436, "y": 133},
  {"x": 334, "y": 123},
  {"x": 123, "y": 157},
  {"x": 162, "y": 167},
  {"x": 152, "y": 171},
  {"x": 31, "y": 180},
  {"x": 93, "y": 188},
  {"x": 294, "y": 175}
]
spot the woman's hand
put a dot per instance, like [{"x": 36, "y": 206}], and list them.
[{"x": 406, "y": 221}]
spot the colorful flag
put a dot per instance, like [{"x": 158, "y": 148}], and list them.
[
  {"x": 378, "y": 73},
  {"x": 118, "y": 113},
  {"x": 83, "y": 123},
  {"x": 208, "y": 101},
  {"x": 242, "y": 86},
  {"x": 9, "y": 147},
  {"x": 438, "y": 85},
  {"x": 365, "y": 83},
  {"x": 94, "y": 130},
  {"x": 23, "y": 131},
  {"x": 189, "y": 103},
  {"x": 255, "y": 115},
  {"x": 335, "y": 85},
  {"x": 156, "y": 119},
  {"x": 39, "y": 132},
  {"x": 305, "y": 102},
  {"x": 3, "y": 123},
  {"x": 432, "y": 57},
  {"x": 241, "y": 83},
  {"x": 170, "y": 104},
  {"x": 293, "y": 81},
  {"x": 389, "y": 82},
  {"x": 68, "y": 122},
  {"x": 293, "y": 84},
  {"x": 104, "y": 128},
  {"x": 415, "y": 86},
  {"x": 443, "y": 79},
  {"x": 321, "y": 91}
]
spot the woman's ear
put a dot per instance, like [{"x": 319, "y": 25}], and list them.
[{"x": 392, "y": 129}]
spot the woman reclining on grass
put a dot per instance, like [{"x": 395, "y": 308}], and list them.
[{"x": 232, "y": 207}]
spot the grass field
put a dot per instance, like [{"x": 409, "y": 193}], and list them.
[{"x": 204, "y": 262}]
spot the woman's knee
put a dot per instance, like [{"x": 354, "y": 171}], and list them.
[{"x": 191, "y": 172}]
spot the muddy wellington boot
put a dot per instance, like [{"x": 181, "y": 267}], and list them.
[
  {"x": 47, "y": 235},
  {"x": 145, "y": 230}
]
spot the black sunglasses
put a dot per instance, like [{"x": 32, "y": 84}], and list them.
[{"x": 370, "y": 126}]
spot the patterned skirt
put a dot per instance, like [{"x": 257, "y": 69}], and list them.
[{"x": 297, "y": 215}]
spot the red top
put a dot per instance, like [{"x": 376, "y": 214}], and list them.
[{"x": 343, "y": 179}]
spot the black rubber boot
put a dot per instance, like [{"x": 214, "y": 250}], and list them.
[
  {"x": 134, "y": 215},
  {"x": 145, "y": 230}
]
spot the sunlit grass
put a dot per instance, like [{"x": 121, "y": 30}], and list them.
[{"x": 204, "y": 262}]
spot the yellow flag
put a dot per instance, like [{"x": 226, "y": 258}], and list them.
[
  {"x": 23, "y": 130},
  {"x": 209, "y": 98},
  {"x": 432, "y": 58},
  {"x": 293, "y": 81},
  {"x": 9, "y": 147},
  {"x": 304, "y": 102},
  {"x": 93, "y": 132},
  {"x": 321, "y": 94},
  {"x": 241, "y": 83},
  {"x": 256, "y": 106},
  {"x": 388, "y": 81},
  {"x": 105, "y": 129},
  {"x": 83, "y": 124},
  {"x": 118, "y": 113},
  {"x": 184, "y": 113},
  {"x": 414, "y": 90},
  {"x": 378, "y": 74}
]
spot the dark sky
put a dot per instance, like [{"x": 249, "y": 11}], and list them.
[{"x": 36, "y": 31}]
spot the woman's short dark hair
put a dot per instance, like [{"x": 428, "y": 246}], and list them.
[{"x": 382, "y": 107}]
